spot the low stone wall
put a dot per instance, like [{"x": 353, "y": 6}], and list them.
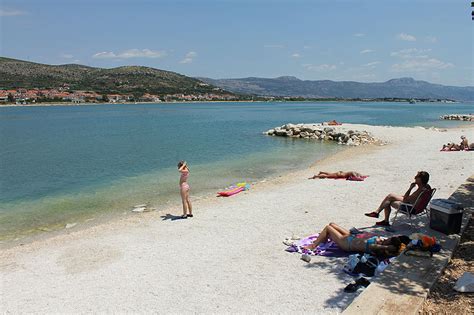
[
  {"x": 463, "y": 117},
  {"x": 341, "y": 135}
]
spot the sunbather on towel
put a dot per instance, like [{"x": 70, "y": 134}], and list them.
[
  {"x": 334, "y": 123},
  {"x": 464, "y": 145},
  {"x": 387, "y": 247},
  {"x": 394, "y": 200},
  {"x": 339, "y": 174}
]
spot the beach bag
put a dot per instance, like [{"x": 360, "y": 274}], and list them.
[
  {"x": 422, "y": 245},
  {"x": 365, "y": 264}
]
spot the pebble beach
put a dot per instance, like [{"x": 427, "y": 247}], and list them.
[{"x": 230, "y": 256}]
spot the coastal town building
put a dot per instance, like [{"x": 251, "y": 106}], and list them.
[{"x": 64, "y": 94}]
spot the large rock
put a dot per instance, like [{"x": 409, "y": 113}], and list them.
[
  {"x": 280, "y": 132},
  {"x": 465, "y": 284},
  {"x": 308, "y": 129},
  {"x": 313, "y": 131},
  {"x": 304, "y": 134}
]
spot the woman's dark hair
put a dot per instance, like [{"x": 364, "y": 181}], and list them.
[
  {"x": 181, "y": 163},
  {"x": 395, "y": 242},
  {"x": 404, "y": 239},
  {"x": 393, "y": 246},
  {"x": 385, "y": 251},
  {"x": 424, "y": 177}
]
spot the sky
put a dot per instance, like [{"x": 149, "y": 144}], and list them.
[{"x": 366, "y": 41}]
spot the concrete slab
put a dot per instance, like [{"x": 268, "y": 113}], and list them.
[{"x": 403, "y": 287}]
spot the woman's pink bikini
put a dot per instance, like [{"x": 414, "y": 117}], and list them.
[{"x": 183, "y": 180}]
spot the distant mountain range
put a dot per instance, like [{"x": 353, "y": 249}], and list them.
[
  {"x": 395, "y": 88},
  {"x": 131, "y": 79},
  {"x": 140, "y": 80}
]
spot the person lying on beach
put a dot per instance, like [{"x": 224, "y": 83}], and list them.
[
  {"x": 394, "y": 200},
  {"x": 378, "y": 246},
  {"x": 334, "y": 123},
  {"x": 464, "y": 145},
  {"x": 339, "y": 174},
  {"x": 184, "y": 190}
]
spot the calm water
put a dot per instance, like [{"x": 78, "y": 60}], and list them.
[{"x": 68, "y": 164}]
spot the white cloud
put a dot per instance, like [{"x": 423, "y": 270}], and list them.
[
  {"x": 131, "y": 53},
  {"x": 410, "y": 53},
  {"x": 273, "y": 46},
  {"x": 189, "y": 57},
  {"x": 420, "y": 65},
  {"x": 406, "y": 37},
  {"x": 366, "y": 51},
  {"x": 11, "y": 12},
  {"x": 359, "y": 34},
  {"x": 296, "y": 55},
  {"x": 371, "y": 64},
  {"x": 431, "y": 39},
  {"x": 417, "y": 60},
  {"x": 322, "y": 67},
  {"x": 104, "y": 55}
]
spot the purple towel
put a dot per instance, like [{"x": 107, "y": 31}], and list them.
[{"x": 326, "y": 249}]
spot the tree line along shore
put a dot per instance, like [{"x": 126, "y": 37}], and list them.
[{"x": 64, "y": 95}]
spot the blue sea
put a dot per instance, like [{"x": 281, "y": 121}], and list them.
[{"x": 65, "y": 164}]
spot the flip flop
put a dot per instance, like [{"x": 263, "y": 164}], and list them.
[
  {"x": 190, "y": 216},
  {"x": 184, "y": 216},
  {"x": 372, "y": 214},
  {"x": 353, "y": 287}
]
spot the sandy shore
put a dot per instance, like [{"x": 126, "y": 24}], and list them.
[{"x": 230, "y": 256}]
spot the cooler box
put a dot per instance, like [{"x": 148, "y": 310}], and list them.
[{"x": 445, "y": 216}]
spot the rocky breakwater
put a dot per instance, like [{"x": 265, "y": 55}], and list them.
[
  {"x": 463, "y": 117},
  {"x": 339, "y": 134}
]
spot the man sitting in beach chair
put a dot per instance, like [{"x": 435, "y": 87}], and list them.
[{"x": 394, "y": 200}]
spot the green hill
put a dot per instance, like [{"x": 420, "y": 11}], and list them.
[{"x": 131, "y": 79}]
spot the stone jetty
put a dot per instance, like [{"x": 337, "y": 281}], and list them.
[
  {"x": 464, "y": 117},
  {"x": 339, "y": 134}
]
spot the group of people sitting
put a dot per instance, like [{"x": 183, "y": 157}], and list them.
[
  {"x": 463, "y": 146},
  {"x": 376, "y": 245}
]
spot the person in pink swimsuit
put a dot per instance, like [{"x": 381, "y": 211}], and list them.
[{"x": 184, "y": 190}]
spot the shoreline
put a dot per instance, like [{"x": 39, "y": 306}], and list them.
[
  {"x": 204, "y": 198},
  {"x": 212, "y": 102},
  {"x": 126, "y": 103},
  {"x": 47, "y": 232},
  {"x": 229, "y": 257}
]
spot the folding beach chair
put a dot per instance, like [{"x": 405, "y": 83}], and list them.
[{"x": 419, "y": 207}]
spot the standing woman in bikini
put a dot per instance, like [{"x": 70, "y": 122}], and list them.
[{"x": 184, "y": 190}]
